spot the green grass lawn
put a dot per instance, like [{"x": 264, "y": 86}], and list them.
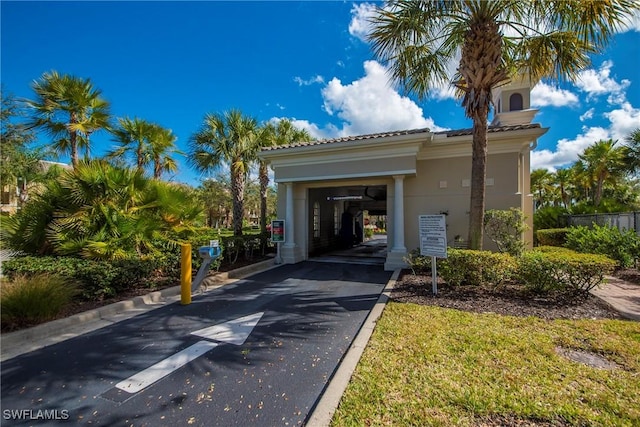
[{"x": 428, "y": 366}]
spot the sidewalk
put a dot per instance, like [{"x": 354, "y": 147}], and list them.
[{"x": 621, "y": 295}]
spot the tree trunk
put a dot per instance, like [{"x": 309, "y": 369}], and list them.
[
  {"x": 264, "y": 183},
  {"x": 237, "y": 193},
  {"x": 478, "y": 174}
]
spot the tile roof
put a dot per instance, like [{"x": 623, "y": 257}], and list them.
[
  {"x": 448, "y": 133},
  {"x": 469, "y": 131},
  {"x": 349, "y": 138}
]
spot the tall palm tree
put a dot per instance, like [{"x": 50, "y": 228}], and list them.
[
  {"x": 272, "y": 134},
  {"x": 69, "y": 109},
  {"x": 161, "y": 145},
  {"x": 227, "y": 139},
  {"x": 494, "y": 41},
  {"x": 542, "y": 187},
  {"x": 132, "y": 136},
  {"x": 603, "y": 160},
  {"x": 563, "y": 178},
  {"x": 633, "y": 151}
]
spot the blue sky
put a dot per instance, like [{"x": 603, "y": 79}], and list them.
[{"x": 173, "y": 62}]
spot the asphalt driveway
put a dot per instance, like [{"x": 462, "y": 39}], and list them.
[{"x": 256, "y": 352}]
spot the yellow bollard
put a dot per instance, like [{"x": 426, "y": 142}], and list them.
[{"x": 185, "y": 274}]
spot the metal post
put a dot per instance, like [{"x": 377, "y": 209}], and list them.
[
  {"x": 434, "y": 276},
  {"x": 185, "y": 274}
]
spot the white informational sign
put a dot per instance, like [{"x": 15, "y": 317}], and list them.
[{"x": 433, "y": 235}]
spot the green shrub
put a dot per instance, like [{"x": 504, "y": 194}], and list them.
[
  {"x": 552, "y": 236},
  {"x": 562, "y": 270},
  {"x": 417, "y": 263},
  {"x": 97, "y": 278},
  {"x": 505, "y": 228},
  {"x": 469, "y": 267},
  {"x": 624, "y": 247},
  {"x": 30, "y": 300},
  {"x": 549, "y": 217}
]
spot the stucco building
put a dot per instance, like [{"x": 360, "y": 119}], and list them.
[{"x": 325, "y": 186}]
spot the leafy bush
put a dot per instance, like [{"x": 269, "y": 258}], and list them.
[
  {"x": 624, "y": 247},
  {"x": 470, "y": 267},
  {"x": 417, "y": 263},
  {"x": 505, "y": 228},
  {"x": 96, "y": 279},
  {"x": 562, "y": 270},
  {"x": 552, "y": 236},
  {"x": 29, "y": 300},
  {"x": 549, "y": 217}
]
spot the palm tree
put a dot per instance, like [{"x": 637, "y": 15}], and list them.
[
  {"x": 281, "y": 133},
  {"x": 542, "y": 187},
  {"x": 633, "y": 151},
  {"x": 494, "y": 40},
  {"x": 563, "y": 178},
  {"x": 227, "y": 139},
  {"x": 132, "y": 135},
  {"x": 161, "y": 145},
  {"x": 69, "y": 109},
  {"x": 603, "y": 160}
]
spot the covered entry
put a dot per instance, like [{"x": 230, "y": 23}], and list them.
[{"x": 342, "y": 218}]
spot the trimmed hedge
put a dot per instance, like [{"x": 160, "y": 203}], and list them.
[
  {"x": 543, "y": 270},
  {"x": 563, "y": 270},
  {"x": 552, "y": 236},
  {"x": 469, "y": 267},
  {"x": 624, "y": 247},
  {"x": 97, "y": 279}
]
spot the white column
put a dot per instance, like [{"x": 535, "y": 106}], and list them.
[
  {"x": 398, "y": 215},
  {"x": 289, "y": 234}
]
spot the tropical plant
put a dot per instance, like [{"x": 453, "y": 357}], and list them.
[
  {"x": 69, "y": 109},
  {"x": 214, "y": 194},
  {"x": 19, "y": 163},
  {"x": 147, "y": 143},
  {"x": 633, "y": 152},
  {"x": 494, "y": 41},
  {"x": 227, "y": 139},
  {"x": 272, "y": 134},
  {"x": 603, "y": 161},
  {"x": 161, "y": 146},
  {"x": 99, "y": 211}
]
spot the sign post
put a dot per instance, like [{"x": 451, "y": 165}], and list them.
[
  {"x": 433, "y": 242},
  {"x": 277, "y": 236}
]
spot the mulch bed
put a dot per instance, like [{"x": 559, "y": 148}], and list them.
[{"x": 510, "y": 299}]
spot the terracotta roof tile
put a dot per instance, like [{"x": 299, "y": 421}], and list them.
[
  {"x": 448, "y": 133},
  {"x": 349, "y": 138}
]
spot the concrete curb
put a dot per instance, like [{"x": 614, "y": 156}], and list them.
[
  {"x": 330, "y": 398},
  {"x": 16, "y": 343}
]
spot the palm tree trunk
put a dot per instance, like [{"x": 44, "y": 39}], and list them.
[
  {"x": 73, "y": 141},
  {"x": 237, "y": 191},
  {"x": 264, "y": 183},
  {"x": 478, "y": 174}
]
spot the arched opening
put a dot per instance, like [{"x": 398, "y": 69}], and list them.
[{"x": 515, "y": 102}]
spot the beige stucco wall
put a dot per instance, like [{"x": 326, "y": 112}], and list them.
[{"x": 438, "y": 187}]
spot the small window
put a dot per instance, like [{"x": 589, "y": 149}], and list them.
[
  {"x": 515, "y": 102},
  {"x": 316, "y": 219},
  {"x": 336, "y": 220}
]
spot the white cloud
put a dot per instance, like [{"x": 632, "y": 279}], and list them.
[
  {"x": 587, "y": 114},
  {"x": 315, "y": 79},
  {"x": 370, "y": 104},
  {"x": 361, "y": 13},
  {"x": 623, "y": 121},
  {"x": 567, "y": 151},
  {"x": 599, "y": 82},
  {"x": 543, "y": 95},
  {"x": 633, "y": 23}
]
